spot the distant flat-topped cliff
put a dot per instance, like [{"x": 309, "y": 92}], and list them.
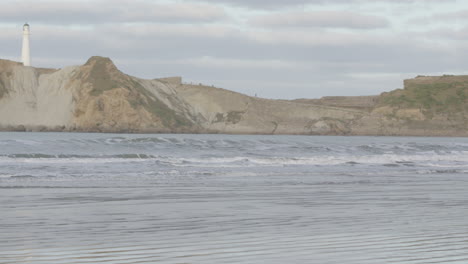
[{"x": 97, "y": 97}]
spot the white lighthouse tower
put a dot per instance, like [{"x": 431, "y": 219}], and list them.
[{"x": 26, "y": 54}]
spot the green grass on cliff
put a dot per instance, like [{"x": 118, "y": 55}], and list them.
[
  {"x": 100, "y": 76},
  {"x": 438, "y": 97},
  {"x": 105, "y": 76},
  {"x": 3, "y": 89}
]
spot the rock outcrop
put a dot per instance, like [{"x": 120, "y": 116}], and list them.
[{"x": 97, "y": 97}]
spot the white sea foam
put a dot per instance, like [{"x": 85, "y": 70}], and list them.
[{"x": 459, "y": 159}]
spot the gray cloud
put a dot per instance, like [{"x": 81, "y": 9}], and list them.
[
  {"x": 275, "y": 4},
  {"x": 107, "y": 11},
  {"x": 266, "y": 4},
  {"x": 451, "y": 18},
  {"x": 327, "y": 19},
  {"x": 448, "y": 33}
]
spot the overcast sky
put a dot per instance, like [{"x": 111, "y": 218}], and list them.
[{"x": 273, "y": 48}]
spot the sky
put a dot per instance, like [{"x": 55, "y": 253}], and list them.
[{"x": 280, "y": 49}]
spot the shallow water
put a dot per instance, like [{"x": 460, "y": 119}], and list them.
[{"x": 102, "y": 198}]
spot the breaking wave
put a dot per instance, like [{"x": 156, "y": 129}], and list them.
[
  {"x": 95, "y": 156},
  {"x": 389, "y": 160}
]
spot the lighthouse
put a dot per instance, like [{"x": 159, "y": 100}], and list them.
[{"x": 25, "y": 54}]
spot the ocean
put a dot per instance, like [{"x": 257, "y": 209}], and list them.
[{"x": 119, "y": 198}]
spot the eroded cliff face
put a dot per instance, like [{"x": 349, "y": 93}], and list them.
[
  {"x": 229, "y": 112},
  {"x": 32, "y": 99},
  {"x": 6, "y": 72},
  {"x": 97, "y": 97},
  {"x": 110, "y": 101}
]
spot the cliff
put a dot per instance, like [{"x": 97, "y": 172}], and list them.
[
  {"x": 93, "y": 97},
  {"x": 435, "y": 106},
  {"x": 353, "y": 102},
  {"x": 97, "y": 97}
]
